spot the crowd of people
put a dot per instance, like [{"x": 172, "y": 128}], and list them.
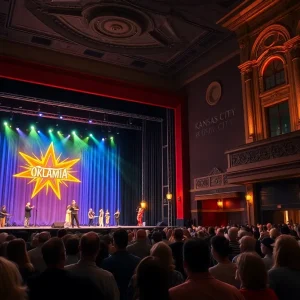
[{"x": 234, "y": 262}]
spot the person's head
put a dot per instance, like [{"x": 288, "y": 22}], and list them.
[
  {"x": 266, "y": 246},
  {"x": 53, "y": 252},
  {"x": 247, "y": 244},
  {"x": 164, "y": 254},
  {"x": 286, "y": 252},
  {"x": 3, "y": 236},
  {"x": 274, "y": 233},
  {"x": 141, "y": 235},
  {"x": 178, "y": 234},
  {"x": 269, "y": 226},
  {"x": 157, "y": 237},
  {"x": 152, "y": 280},
  {"x": 73, "y": 202},
  {"x": 251, "y": 271},
  {"x": 89, "y": 245},
  {"x": 220, "y": 248},
  {"x": 220, "y": 232},
  {"x": 43, "y": 237},
  {"x": 211, "y": 230},
  {"x": 16, "y": 252},
  {"x": 72, "y": 245},
  {"x": 233, "y": 234},
  {"x": 62, "y": 232},
  {"x": 101, "y": 210},
  {"x": 242, "y": 233},
  {"x": 196, "y": 256},
  {"x": 120, "y": 239},
  {"x": 3, "y": 207},
  {"x": 28, "y": 204},
  {"x": 11, "y": 286},
  {"x": 285, "y": 229},
  {"x": 90, "y": 210}
]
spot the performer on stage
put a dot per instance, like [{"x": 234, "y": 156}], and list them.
[
  {"x": 107, "y": 217},
  {"x": 68, "y": 216},
  {"x": 3, "y": 214},
  {"x": 28, "y": 209},
  {"x": 140, "y": 215},
  {"x": 117, "y": 218},
  {"x": 101, "y": 217},
  {"x": 74, "y": 214},
  {"x": 91, "y": 216}
]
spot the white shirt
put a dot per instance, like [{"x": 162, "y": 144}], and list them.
[
  {"x": 225, "y": 273},
  {"x": 102, "y": 278}
]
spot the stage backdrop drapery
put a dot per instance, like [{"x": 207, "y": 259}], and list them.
[{"x": 98, "y": 170}]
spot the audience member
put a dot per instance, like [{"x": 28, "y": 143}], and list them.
[
  {"x": 225, "y": 269},
  {"x": 253, "y": 275},
  {"x": 177, "y": 250},
  {"x": 200, "y": 284},
  {"x": 17, "y": 253},
  {"x": 62, "y": 232},
  {"x": 267, "y": 250},
  {"x": 89, "y": 248},
  {"x": 72, "y": 250},
  {"x": 234, "y": 245},
  {"x": 274, "y": 233},
  {"x": 141, "y": 247},
  {"x": 11, "y": 287},
  {"x": 285, "y": 275},
  {"x": 247, "y": 244},
  {"x": 57, "y": 283},
  {"x": 121, "y": 263},
  {"x": 156, "y": 237},
  {"x": 35, "y": 255},
  {"x": 151, "y": 280}
]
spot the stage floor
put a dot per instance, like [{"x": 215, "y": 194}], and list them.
[{"x": 83, "y": 229}]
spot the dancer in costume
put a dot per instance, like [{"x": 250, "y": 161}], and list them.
[
  {"x": 107, "y": 218},
  {"x": 101, "y": 218},
  {"x": 68, "y": 217}
]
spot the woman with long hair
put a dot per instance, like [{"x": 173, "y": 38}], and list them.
[
  {"x": 285, "y": 274},
  {"x": 17, "y": 253},
  {"x": 151, "y": 280},
  {"x": 163, "y": 253},
  {"x": 11, "y": 281},
  {"x": 68, "y": 216},
  {"x": 252, "y": 274}
]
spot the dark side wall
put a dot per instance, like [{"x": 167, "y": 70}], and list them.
[{"x": 215, "y": 129}]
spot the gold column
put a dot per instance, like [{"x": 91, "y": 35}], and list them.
[{"x": 248, "y": 95}]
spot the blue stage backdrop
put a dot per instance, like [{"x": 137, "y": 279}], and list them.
[{"x": 81, "y": 168}]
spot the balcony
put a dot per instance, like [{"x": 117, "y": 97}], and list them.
[{"x": 270, "y": 159}]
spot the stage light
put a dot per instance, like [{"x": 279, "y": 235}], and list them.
[
  {"x": 73, "y": 132},
  {"x": 17, "y": 128},
  {"x": 111, "y": 137},
  {"x": 50, "y": 130},
  {"x": 32, "y": 127},
  {"x": 118, "y": 132},
  {"x": 38, "y": 131},
  {"x": 102, "y": 139},
  {"x": 5, "y": 123},
  {"x": 58, "y": 132},
  {"x": 91, "y": 134},
  {"x": 40, "y": 114},
  {"x": 61, "y": 117},
  {"x": 90, "y": 121}
]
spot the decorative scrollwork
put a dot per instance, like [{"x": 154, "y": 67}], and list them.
[{"x": 263, "y": 153}]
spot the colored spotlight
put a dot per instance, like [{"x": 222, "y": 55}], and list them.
[
  {"x": 32, "y": 127},
  {"x": 17, "y": 128},
  {"x": 40, "y": 114},
  {"x": 90, "y": 134},
  {"x": 50, "y": 130},
  {"x": 39, "y": 131},
  {"x": 61, "y": 117},
  {"x": 111, "y": 137},
  {"x": 102, "y": 139},
  {"x": 90, "y": 121},
  {"x": 5, "y": 123},
  {"x": 58, "y": 132},
  {"x": 73, "y": 132}
]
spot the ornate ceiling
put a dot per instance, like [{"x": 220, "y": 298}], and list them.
[{"x": 161, "y": 37}]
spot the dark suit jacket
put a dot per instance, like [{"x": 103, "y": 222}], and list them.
[
  {"x": 56, "y": 284},
  {"x": 27, "y": 212}
]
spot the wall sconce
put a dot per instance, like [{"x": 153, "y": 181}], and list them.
[
  {"x": 143, "y": 204},
  {"x": 169, "y": 196},
  {"x": 220, "y": 204},
  {"x": 249, "y": 199}
]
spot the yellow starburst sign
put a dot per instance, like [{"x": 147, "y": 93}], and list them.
[{"x": 48, "y": 171}]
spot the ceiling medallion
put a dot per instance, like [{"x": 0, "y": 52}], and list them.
[{"x": 213, "y": 93}]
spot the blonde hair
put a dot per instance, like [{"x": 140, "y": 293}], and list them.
[
  {"x": 274, "y": 233},
  {"x": 11, "y": 281},
  {"x": 286, "y": 252},
  {"x": 252, "y": 271},
  {"x": 163, "y": 253}
]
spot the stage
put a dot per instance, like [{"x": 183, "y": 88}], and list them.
[{"x": 83, "y": 229}]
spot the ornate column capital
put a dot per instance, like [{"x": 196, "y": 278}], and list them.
[
  {"x": 293, "y": 46},
  {"x": 246, "y": 68}
]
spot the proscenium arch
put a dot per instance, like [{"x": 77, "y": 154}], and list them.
[{"x": 276, "y": 28}]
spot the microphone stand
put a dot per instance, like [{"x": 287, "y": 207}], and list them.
[{"x": 36, "y": 213}]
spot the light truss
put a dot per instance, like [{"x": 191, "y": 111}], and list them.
[
  {"x": 78, "y": 107},
  {"x": 28, "y": 112}
]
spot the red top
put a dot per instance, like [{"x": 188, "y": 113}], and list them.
[{"x": 259, "y": 294}]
